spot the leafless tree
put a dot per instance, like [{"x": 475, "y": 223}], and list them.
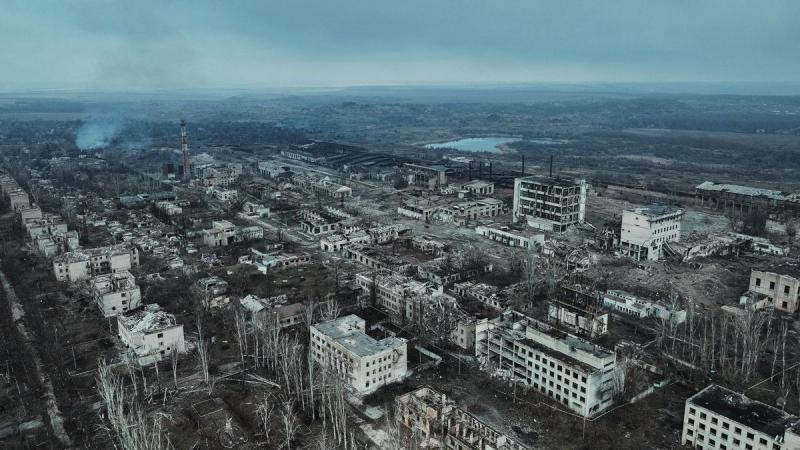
[
  {"x": 291, "y": 424},
  {"x": 202, "y": 354}
]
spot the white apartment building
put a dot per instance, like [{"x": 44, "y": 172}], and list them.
[
  {"x": 365, "y": 363},
  {"x": 116, "y": 293},
  {"x": 717, "y": 418},
  {"x": 574, "y": 372},
  {"x": 150, "y": 334},
  {"x": 645, "y": 231},
  {"x": 547, "y": 203},
  {"x": 631, "y": 305},
  {"x": 780, "y": 289},
  {"x": 80, "y": 265}
]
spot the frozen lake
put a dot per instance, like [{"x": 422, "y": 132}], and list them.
[{"x": 482, "y": 144}]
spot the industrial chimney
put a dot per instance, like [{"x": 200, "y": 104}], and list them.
[{"x": 187, "y": 173}]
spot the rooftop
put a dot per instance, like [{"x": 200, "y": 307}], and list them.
[
  {"x": 751, "y": 413},
  {"x": 147, "y": 320},
  {"x": 554, "y": 181},
  {"x": 749, "y": 191},
  {"x": 657, "y": 210}
]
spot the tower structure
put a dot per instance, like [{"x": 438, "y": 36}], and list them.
[{"x": 187, "y": 173}]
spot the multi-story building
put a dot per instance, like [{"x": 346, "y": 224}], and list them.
[
  {"x": 574, "y": 372},
  {"x": 438, "y": 423},
  {"x": 150, "y": 334},
  {"x": 646, "y": 230},
  {"x": 225, "y": 195},
  {"x": 548, "y": 203},
  {"x": 418, "y": 209},
  {"x": 578, "y": 312},
  {"x": 746, "y": 198},
  {"x": 484, "y": 293},
  {"x": 631, "y": 305},
  {"x": 80, "y": 265},
  {"x": 717, "y": 418},
  {"x": 430, "y": 177},
  {"x": 116, "y": 293},
  {"x": 779, "y": 285},
  {"x": 365, "y": 363}
]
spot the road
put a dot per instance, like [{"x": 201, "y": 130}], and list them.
[{"x": 53, "y": 411}]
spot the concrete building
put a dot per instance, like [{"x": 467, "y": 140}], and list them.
[
  {"x": 406, "y": 301},
  {"x": 779, "y": 284},
  {"x": 225, "y": 195},
  {"x": 223, "y": 233},
  {"x": 441, "y": 424},
  {"x": 324, "y": 186},
  {"x": 417, "y": 209},
  {"x": 484, "y": 293},
  {"x": 275, "y": 310},
  {"x": 717, "y": 418},
  {"x": 487, "y": 207},
  {"x": 744, "y": 198},
  {"x": 116, "y": 293},
  {"x": 578, "y": 312},
  {"x": 645, "y": 231},
  {"x": 150, "y": 334},
  {"x": 479, "y": 187},
  {"x": 80, "y": 265},
  {"x": 551, "y": 204},
  {"x": 633, "y": 306},
  {"x": 365, "y": 363},
  {"x": 574, "y": 372},
  {"x": 431, "y": 177},
  {"x": 511, "y": 238}
]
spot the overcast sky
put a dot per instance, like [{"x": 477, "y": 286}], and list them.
[{"x": 106, "y": 44}]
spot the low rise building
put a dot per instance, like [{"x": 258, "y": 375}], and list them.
[
  {"x": 473, "y": 210},
  {"x": 417, "y": 209},
  {"x": 510, "y": 237},
  {"x": 150, "y": 334},
  {"x": 779, "y": 284},
  {"x": 275, "y": 310},
  {"x": 578, "y": 312},
  {"x": 223, "y": 233},
  {"x": 364, "y": 363},
  {"x": 225, "y": 195},
  {"x": 574, "y": 372},
  {"x": 719, "y": 418},
  {"x": 631, "y": 305},
  {"x": 116, "y": 293},
  {"x": 646, "y": 230},
  {"x": 440, "y": 423},
  {"x": 479, "y": 187},
  {"x": 484, "y": 293}
]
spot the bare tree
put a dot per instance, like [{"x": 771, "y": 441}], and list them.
[{"x": 291, "y": 424}]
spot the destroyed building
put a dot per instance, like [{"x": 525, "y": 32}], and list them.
[
  {"x": 364, "y": 363},
  {"x": 578, "y": 311},
  {"x": 640, "y": 308},
  {"x": 549, "y": 203},
  {"x": 441, "y": 424},
  {"x": 116, "y": 293},
  {"x": 778, "y": 284},
  {"x": 150, "y": 334},
  {"x": 82, "y": 264},
  {"x": 646, "y": 231},
  {"x": 717, "y": 418},
  {"x": 572, "y": 371}
]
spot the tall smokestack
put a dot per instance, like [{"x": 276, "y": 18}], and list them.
[
  {"x": 187, "y": 173},
  {"x": 523, "y": 165},
  {"x": 490, "y": 171},
  {"x": 551, "y": 166}
]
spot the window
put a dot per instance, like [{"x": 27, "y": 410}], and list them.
[
  {"x": 771, "y": 285},
  {"x": 758, "y": 281},
  {"x": 762, "y": 441},
  {"x": 750, "y": 436},
  {"x": 786, "y": 290},
  {"x": 160, "y": 335}
]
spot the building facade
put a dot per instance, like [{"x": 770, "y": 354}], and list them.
[
  {"x": 547, "y": 203},
  {"x": 717, "y": 418},
  {"x": 116, "y": 293},
  {"x": 645, "y": 231},
  {"x": 364, "y": 363},
  {"x": 150, "y": 334},
  {"x": 575, "y": 373},
  {"x": 782, "y": 291}
]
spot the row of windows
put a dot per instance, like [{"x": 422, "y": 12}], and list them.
[{"x": 723, "y": 430}]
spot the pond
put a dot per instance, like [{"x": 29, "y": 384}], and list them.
[{"x": 481, "y": 144}]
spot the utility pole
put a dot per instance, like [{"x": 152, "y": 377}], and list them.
[{"x": 187, "y": 174}]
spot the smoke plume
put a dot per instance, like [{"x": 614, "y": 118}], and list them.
[{"x": 98, "y": 133}]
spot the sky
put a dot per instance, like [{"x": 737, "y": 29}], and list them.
[{"x": 175, "y": 44}]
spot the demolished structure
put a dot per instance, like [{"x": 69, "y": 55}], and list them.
[{"x": 549, "y": 203}]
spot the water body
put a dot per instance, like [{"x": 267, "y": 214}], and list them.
[{"x": 481, "y": 144}]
